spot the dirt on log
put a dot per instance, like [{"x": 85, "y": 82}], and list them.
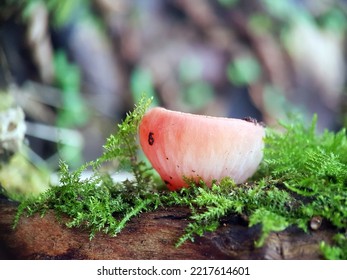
[{"x": 151, "y": 235}]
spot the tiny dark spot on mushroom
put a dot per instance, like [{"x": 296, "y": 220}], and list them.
[
  {"x": 167, "y": 182},
  {"x": 177, "y": 166},
  {"x": 150, "y": 138},
  {"x": 193, "y": 171},
  {"x": 171, "y": 177},
  {"x": 167, "y": 158}
]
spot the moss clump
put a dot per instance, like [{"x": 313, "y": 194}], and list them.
[
  {"x": 96, "y": 202},
  {"x": 303, "y": 175}
]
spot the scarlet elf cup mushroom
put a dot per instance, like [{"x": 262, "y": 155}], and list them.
[{"x": 180, "y": 145}]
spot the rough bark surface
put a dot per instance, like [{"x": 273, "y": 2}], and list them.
[{"x": 150, "y": 236}]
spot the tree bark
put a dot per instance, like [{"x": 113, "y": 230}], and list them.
[{"x": 151, "y": 235}]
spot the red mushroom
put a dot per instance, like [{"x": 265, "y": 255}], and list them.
[{"x": 199, "y": 147}]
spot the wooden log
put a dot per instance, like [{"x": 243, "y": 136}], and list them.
[{"x": 151, "y": 235}]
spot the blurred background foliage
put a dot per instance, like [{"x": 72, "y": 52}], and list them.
[{"x": 76, "y": 67}]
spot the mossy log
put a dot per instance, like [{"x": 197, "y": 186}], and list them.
[{"x": 151, "y": 235}]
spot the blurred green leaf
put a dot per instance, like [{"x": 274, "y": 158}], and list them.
[
  {"x": 68, "y": 79},
  {"x": 334, "y": 20},
  {"x": 141, "y": 84},
  {"x": 199, "y": 94},
  {"x": 71, "y": 154},
  {"x": 260, "y": 23},
  {"x": 190, "y": 69},
  {"x": 243, "y": 70},
  {"x": 228, "y": 3},
  {"x": 281, "y": 9},
  {"x": 60, "y": 10}
]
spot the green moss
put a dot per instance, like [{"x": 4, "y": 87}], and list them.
[
  {"x": 303, "y": 175},
  {"x": 338, "y": 251},
  {"x": 97, "y": 203}
]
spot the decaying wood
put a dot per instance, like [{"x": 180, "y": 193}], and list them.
[{"x": 150, "y": 236}]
